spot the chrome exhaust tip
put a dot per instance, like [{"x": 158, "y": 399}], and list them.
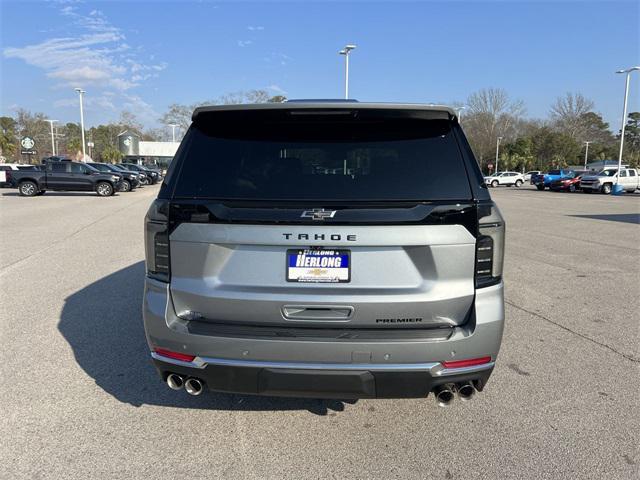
[
  {"x": 193, "y": 386},
  {"x": 466, "y": 391},
  {"x": 444, "y": 395},
  {"x": 175, "y": 381}
]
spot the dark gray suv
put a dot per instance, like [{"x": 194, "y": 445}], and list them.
[{"x": 325, "y": 249}]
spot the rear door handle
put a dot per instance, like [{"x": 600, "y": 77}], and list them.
[{"x": 317, "y": 312}]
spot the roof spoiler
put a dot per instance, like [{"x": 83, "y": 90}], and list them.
[{"x": 421, "y": 110}]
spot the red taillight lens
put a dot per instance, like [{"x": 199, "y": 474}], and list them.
[
  {"x": 466, "y": 363},
  {"x": 175, "y": 355}
]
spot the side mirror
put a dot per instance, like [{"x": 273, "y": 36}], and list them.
[{"x": 88, "y": 172}]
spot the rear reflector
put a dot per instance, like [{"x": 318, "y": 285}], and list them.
[
  {"x": 175, "y": 355},
  {"x": 466, "y": 363}
]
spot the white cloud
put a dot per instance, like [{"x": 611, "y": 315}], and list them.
[
  {"x": 97, "y": 58},
  {"x": 255, "y": 28},
  {"x": 85, "y": 60},
  {"x": 102, "y": 102},
  {"x": 244, "y": 43},
  {"x": 276, "y": 88},
  {"x": 143, "y": 110}
]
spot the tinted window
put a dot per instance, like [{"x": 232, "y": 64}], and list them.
[
  {"x": 77, "y": 168},
  {"x": 58, "y": 167},
  {"x": 632, "y": 173},
  {"x": 554, "y": 172},
  {"x": 27, "y": 167},
  {"x": 4, "y": 168},
  {"x": 330, "y": 159}
]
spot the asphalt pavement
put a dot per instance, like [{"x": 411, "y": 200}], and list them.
[{"x": 79, "y": 398}]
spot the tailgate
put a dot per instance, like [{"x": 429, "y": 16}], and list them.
[{"x": 402, "y": 276}]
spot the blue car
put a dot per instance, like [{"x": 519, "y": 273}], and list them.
[{"x": 543, "y": 181}]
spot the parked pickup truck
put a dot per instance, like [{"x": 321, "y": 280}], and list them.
[
  {"x": 7, "y": 168},
  {"x": 65, "y": 176},
  {"x": 605, "y": 179},
  {"x": 543, "y": 181}
]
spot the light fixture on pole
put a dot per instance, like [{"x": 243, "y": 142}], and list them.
[
  {"x": 345, "y": 51},
  {"x": 624, "y": 116},
  {"x": 53, "y": 143},
  {"x": 497, "y": 152},
  {"x": 586, "y": 153},
  {"x": 81, "y": 93},
  {"x": 173, "y": 130}
]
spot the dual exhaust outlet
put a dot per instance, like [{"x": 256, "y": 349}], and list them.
[
  {"x": 193, "y": 386},
  {"x": 445, "y": 394}
]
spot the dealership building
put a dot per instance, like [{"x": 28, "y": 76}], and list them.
[{"x": 135, "y": 150}]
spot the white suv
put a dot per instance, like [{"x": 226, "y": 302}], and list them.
[{"x": 504, "y": 178}]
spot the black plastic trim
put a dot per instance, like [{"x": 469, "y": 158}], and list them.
[
  {"x": 330, "y": 384},
  {"x": 218, "y": 329}
]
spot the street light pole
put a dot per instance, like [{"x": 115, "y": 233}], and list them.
[
  {"x": 345, "y": 51},
  {"x": 624, "y": 116},
  {"x": 173, "y": 131},
  {"x": 586, "y": 154},
  {"x": 81, "y": 93},
  {"x": 459, "y": 110},
  {"x": 497, "y": 152},
  {"x": 53, "y": 144}
]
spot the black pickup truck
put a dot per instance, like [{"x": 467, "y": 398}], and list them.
[{"x": 65, "y": 176}]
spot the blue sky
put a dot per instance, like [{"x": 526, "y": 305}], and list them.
[{"x": 143, "y": 56}]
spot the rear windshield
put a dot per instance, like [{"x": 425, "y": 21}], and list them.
[{"x": 310, "y": 158}]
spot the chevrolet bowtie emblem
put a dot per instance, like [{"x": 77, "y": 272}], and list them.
[{"x": 318, "y": 214}]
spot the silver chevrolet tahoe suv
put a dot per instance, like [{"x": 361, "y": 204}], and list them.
[{"x": 325, "y": 249}]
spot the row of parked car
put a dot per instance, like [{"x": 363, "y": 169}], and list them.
[
  {"x": 62, "y": 174},
  {"x": 587, "y": 181}
]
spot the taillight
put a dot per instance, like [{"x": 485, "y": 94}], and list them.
[
  {"x": 466, "y": 363},
  {"x": 157, "y": 241},
  {"x": 489, "y": 246},
  {"x": 175, "y": 355}
]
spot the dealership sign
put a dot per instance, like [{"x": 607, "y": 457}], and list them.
[{"x": 28, "y": 145}]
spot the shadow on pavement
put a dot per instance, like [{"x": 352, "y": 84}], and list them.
[
  {"x": 103, "y": 325},
  {"x": 614, "y": 217}
]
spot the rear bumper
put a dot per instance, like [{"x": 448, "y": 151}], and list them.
[
  {"x": 324, "y": 381},
  {"x": 321, "y": 368}
]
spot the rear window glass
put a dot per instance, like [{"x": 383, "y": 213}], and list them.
[
  {"x": 323, "y": 159},
  {"x": 554, "y": 172}
]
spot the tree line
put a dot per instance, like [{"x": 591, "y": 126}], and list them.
[
  {"x": 526, "y": 144},
  {"x": 540, "y": 144}
]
